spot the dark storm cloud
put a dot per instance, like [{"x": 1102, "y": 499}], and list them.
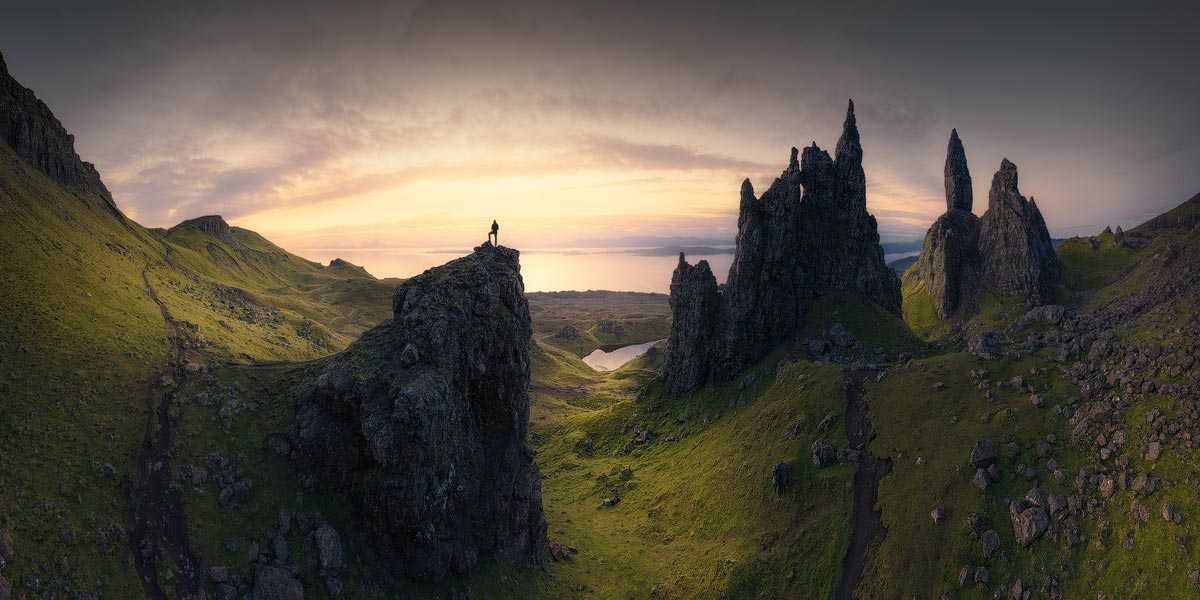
[{"x": 190, "y": 108}]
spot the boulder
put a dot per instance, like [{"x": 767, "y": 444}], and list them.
[
  {"x": 277, "y": 583},
  {"x": 990, "y": 540},
  {"x": 985, "y": 345},
  {"x": 1029, "y": 521},
  {"x": 983, "y": 454},
  {"x": 329, "y": 547},
  {"x": 781, "y": 478},
  {"x": 823, "y": 454}
]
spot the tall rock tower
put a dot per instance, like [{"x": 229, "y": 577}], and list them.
[
  {"x": 809, "y": 232},
  {"x": 1007, "y": 251},
  {"x": 1018, "y": 256},
  {"x": 949, "y": 261}
]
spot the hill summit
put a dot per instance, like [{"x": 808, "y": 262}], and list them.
[{"x": 809, "y": 232}]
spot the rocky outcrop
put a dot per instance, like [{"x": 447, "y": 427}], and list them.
[
  {"x": 422, "y": 422},
  {"x": 1007, "y": 251},
  {"x": 1018, "y": 255},
  {"x": 696, "y": 313},
  {"x": 808, "y": 233},
  {"x": 33, "y": 132},
  {"x": 213, "y": 225}
]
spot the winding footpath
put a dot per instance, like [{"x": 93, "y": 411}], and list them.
[
  {"x": 158, "y": 523},
  {"x": 866, "y": 522}
]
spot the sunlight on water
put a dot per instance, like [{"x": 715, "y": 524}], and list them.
[
  {"x": 543, "y": 270},
  {"x": 607, "y": 361}
]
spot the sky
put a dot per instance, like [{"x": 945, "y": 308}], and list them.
[{"x": 393, "y": 124}]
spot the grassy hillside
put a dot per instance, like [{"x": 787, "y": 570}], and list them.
[
  {"x": 86, "y": 343},
  {"x": 698, "y": 515}
]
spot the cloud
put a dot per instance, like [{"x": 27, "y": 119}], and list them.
[{"x": 625, "y": 153}]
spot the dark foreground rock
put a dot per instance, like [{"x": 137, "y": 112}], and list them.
[
  {"x": 809, "y": 233},
  {"x": 422, "y": 422}
]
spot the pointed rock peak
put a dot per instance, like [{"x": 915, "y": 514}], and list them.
[
  {"x": 1005, "y": 179},
  {"x": 849, "y": 145},
  {"x": 682, "y": 259},
  {"x": 748, "y": 188},
  {"x": 793, "y": 161},
  {"x": 957, "y": 176}
]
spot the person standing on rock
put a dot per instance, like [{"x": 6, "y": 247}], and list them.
[{"x": 495, "y": 233}]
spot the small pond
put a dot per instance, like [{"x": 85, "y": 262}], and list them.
[{"x": 607, "y": 361}]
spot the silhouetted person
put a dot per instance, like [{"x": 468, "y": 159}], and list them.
[{"x": 495, "y": 234}]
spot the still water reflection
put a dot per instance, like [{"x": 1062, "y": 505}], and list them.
[{"x": 607, "y": 361}]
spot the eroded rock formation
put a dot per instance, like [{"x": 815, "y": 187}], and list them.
[
  {"x": 1007, "y": 251},
  {"x": 422, "y": 421},
  {"x": 1018, "y": 255},
  {"x": 809, "y": 232},
  {"x": 949, "y": 260},
  {"x": 37, "y": 136}
]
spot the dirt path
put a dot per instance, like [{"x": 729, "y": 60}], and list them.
[
  {"x": 158, "y": 523},
  {"x": 866, "y": 522}
]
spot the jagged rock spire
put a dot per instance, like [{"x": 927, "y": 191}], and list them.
[
  {"x": 958, "y": 176},
  {"x": 1014, "y": 243},
  {"x": 808, "y": 233},
  {"x": 1004, "y": 185},
  {"x": 849, "y": 145}
]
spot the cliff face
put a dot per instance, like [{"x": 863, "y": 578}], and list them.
[
  {"x": 810, "y": 231},
  {"x": 33, "y": 132},
  {"x": 1008, "y": 250},
  {"x": 422, "y": 421},
  {"x": 1013, "y": 238}
]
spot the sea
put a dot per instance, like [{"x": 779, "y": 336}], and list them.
[{"x": 548, "y": 269}]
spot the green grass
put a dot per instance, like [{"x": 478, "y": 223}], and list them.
[
  {"x": 871, "y": 326},
  {"x": 914, "y": 420},
  {"x": 920, "y": 313},
  {"x": 699, "y": 516},
  {"x": 85, "y": 341},
  {"x": 1087, "y": 269}
]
